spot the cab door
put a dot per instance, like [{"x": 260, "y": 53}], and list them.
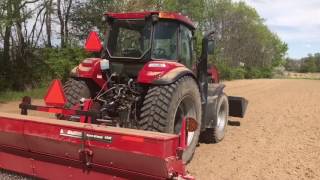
[{"x": 186, "y": 47}]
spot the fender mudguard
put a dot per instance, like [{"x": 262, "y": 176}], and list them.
[
  {"x": 89, "y": 69},
  {"x": 237, "y": 105},
  {"x": 213, "y": 74},
  {"x": 162, "y": 72},
  {"x": 208, "y": 115}
]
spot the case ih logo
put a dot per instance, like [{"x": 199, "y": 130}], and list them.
[{"x": 81, "y": 135}]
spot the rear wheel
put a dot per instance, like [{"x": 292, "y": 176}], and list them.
[
  {"x": 75, "y": 90},
  {"x": 220, "y": 121},
  {"x": 164, "y": 107}
]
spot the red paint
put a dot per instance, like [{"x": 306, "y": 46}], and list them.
[
  {"x": 142, "y": 15},
  {"x": 176, "y": 16},
  {"x": 56, "y": 110},
  {"x": 214, "y": 74},
  {"x": 133, "y": 139},
  {"x": 131, "y": 15},
  {"x": 154, "y": 70},
  {"x": 90, "y": 69},
  {"x": 42, "y": 148},
  {"x": 183, "y": 134},
  {"x": 86, "y": 107},
  {"x": 93, "y": 43},
  {"x": 55, "y": 95},
  {"x": 15, "y": 163}
]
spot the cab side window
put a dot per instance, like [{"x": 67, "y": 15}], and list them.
[
  {"x": 165, "y": 41},
  {"x": 185, "y": 46}
]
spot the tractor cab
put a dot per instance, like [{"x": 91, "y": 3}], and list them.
[
  {"x": 133, "y": 39},
  {"x": 149, "y": 36}
]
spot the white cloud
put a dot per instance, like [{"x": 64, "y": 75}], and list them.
[
  {"x": 288, "y": 12},
  {"x": 308, "y": 45},
  {"x": 295, "y": 21}
]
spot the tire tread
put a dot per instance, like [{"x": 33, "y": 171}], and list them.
[{"x": 154, "y": 110}]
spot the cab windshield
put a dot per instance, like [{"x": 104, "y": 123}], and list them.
[
  {"x": 133, "y": 38},
  {"x": 129, "y": 38}
]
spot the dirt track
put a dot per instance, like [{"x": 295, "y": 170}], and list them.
[{"x": 278, "y": 139}]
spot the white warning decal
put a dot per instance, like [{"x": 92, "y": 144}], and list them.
[{"x": 80, "y": 135}]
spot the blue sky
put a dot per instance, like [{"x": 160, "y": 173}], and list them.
[{"x": 297, "y": 22}]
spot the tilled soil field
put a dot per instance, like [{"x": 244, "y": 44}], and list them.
[{"x": 278, "y": 139}]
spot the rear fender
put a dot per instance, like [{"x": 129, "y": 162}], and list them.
[
  {"x": 237, "y": 106},
  {"x": 213, "y": 74},
  {"x": 210, "y": 107},
  {"x": 162, "y": 72},
  {"x": 89, "y": 69}
]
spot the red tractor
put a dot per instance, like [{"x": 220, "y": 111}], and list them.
[{"x": 148, "y": 78}]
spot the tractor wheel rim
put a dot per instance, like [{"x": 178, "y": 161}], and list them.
[
  {"x": 185, "y": 108},
  {"x": 190, "y": 137},
  {"x": 222, "y": 119}
]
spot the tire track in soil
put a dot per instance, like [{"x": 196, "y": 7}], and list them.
[{"x": 278, "y": 138}]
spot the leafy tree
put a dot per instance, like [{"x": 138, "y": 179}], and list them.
[
  {"x": 192, "y": 8},
  {"x": 28, "y": 55},
  {"x": 292, "y": 65},
  {"x": 63, "y": 12},
  {"x": 242, "y": 36},
  {"x": 309, "y": 64},
  {"x": 17, "y": 58},
  {"x": 87, "y": 15}
]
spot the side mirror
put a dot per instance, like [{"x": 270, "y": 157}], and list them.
[
  {"x": 207, "y": 46},
  {"x": 202, "y": 66},
  {"x": 93, "y": 43},
  {"x": 210, "y": 47}
]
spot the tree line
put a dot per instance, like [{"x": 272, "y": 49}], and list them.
[
  {"x": 42, "y": 39},
  {"x": 311, "y": 63}
]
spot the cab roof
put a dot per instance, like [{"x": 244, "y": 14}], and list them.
[{"x": 162, "y": 15}]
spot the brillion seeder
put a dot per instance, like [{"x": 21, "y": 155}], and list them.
[
  {"x": 55, "y": 149},
  {"x": 137, "y": 112}
]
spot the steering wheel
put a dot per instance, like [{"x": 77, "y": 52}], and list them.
[
  {"x": 132, "y": 52},
  {"x": 160, "y": 53}
]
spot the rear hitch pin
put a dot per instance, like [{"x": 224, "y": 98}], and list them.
[
  {"x": 82, "y": 100},
  {"x": 85, "y": 154}
]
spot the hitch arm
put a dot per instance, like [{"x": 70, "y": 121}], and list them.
[{"x": 26, "y": 105}]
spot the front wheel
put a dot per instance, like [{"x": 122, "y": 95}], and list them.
[
  {"x": 164, "y": 108},
  {"x": 220, "y": 122}
]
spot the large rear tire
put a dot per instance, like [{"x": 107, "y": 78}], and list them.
[
  {"x": 75, "y": 90},
  {"x": 165, "y": 106},
  {"x": 220, "y": 122}
]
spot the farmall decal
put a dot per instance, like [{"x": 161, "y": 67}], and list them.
[{"x": 81, "y": 135}]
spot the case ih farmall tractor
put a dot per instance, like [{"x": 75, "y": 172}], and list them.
[{"x": 147, "y": 78}]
